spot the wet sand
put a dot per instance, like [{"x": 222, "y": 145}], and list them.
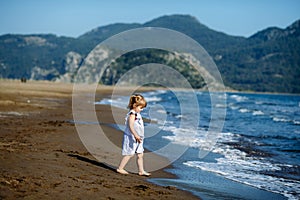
[{"x": 42, "y": 157}]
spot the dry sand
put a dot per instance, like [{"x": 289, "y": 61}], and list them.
[{"x": 42, "y": 157}]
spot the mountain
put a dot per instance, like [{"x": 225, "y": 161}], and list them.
[
  {"x": 20, "y": 54},
  {"x": 89, "y": 40},
  {"x": 268, "y": 61},
  {"x": 274, "y": 33},
  {"x": 190, "y": 26}
]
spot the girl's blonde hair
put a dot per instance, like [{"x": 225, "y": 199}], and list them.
[{"x": 137, "y": 100}]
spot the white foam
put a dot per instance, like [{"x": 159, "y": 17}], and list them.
[
  {"x": 248, "y": 172},
  {"x": 258, "y": 112},
  {"x": 278, "y": 119},
  {"x": 186, "y": 136},
  {"x": 153, "y": 99},
  {"x": 220, "y": 105},
  {"x": 179, "y": 116},
  {"x": 161, "y": 111},
  {"x": 244, "y": 110},
  {"x": 238, "y": 98},
  {"x": 119, "y": 102},
  {"x": 233, "y": 106},
  {"x": 296, "y": 122},
  {"x": 236, "y": 165},
  {"x": 218, "y": 95},
  {"x": 156, "y": 92}
]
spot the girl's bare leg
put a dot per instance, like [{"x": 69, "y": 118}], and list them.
[
  {"x": 123, "y": 163},
  {"x": 140, "y": 162}
]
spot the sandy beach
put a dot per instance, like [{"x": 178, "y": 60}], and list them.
[{"x": 42, "y": 156}]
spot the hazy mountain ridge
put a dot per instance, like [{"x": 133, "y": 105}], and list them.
[
  {"x": 274, "y": 33},
  {"x": 267, "y": 61}
]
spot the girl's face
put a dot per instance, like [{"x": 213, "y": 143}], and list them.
[{"x": 138, "y": 109}]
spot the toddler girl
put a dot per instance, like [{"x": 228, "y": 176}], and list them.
[{"x": 134, "y": 135}]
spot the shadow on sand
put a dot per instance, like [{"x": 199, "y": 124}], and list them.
[{"x": 94, "y": 162}]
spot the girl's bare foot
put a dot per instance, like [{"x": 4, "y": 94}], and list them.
[
  {"x": 122, "y": 171},
  {"x": 144, "y": 173}
]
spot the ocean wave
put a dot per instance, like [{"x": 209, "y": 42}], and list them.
[
  {"x": 248, "y": 172},
  {"x": 232, "y": 106},
  {"x": 221, "y": 106},
  {"x": 296, "y": 122},
  {"x": 219, "y": 95},
  {"x": 154, "y": 96},
  {"x": 162, "y": 111},
  {"x": 244, "y": 110},
  {"x": 277, "y": 119},
  {"x": 277, "y": 137},
  {"x": 120, "y": 102},
  {"x": 258, "y": 112},
  {"x": 153, "y": 99},
  {"x": 240, "y": 166},
  {"x": 237, "y": 166},
  {"x": 285, "y": 120},
  {"x": 184, "y": 136},
  {"x": 281, "y": 115},
  {"x": 190, "y": 137},
  {"x": 238, "y": 98},
  {"x": 254, "y": 112},
  {"x": 154, "y": 93}
]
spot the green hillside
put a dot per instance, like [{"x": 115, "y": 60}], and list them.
[{"x": 268, "y": 61}]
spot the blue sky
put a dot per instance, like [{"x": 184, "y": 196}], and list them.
[{"x": 75, "y": 17}]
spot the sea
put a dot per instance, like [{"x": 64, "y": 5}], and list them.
[{"x": 255, "y": 154}]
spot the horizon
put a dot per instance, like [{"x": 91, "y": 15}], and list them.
[{"x": 72, "y": 18}]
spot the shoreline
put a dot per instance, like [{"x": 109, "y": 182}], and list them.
[
  {"x": 43, "y": 157},
  {"x": 43, "y": 83}
]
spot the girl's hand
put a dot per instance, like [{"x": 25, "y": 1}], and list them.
[{"x": 138, "y": 138}]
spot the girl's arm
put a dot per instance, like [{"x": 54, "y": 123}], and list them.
[{"x": 131, "y": 127}]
